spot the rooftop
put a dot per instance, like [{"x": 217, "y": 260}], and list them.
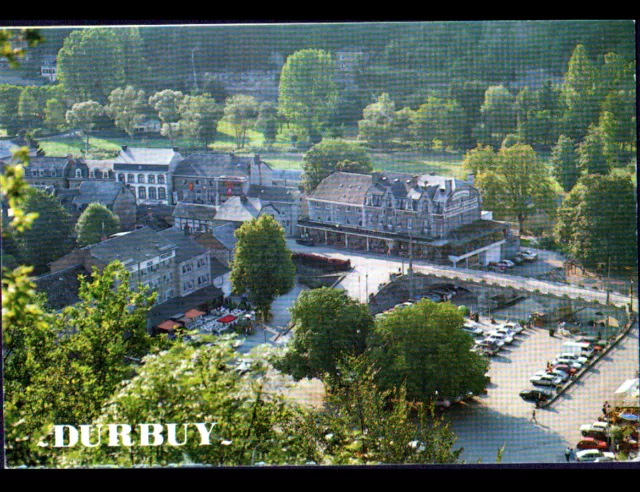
[
  {"x": 61, "y": 287},
  {"x": 240, "y": 209},
  {"x": 274, "y": 193},
  {"x": 136, "y": 246},
  {"x": 194, "y": 211},
  {"x": 215, "y": 164},
  {"x": 136, "y": 155},
  {"x": 104, "y": 192},
  {"x": 187, "y": 247},
  {"x": 343, "y": 188}
]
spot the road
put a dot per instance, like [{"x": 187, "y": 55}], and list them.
[{"x": 370, "y": 270}]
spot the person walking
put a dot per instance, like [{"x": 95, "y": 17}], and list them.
[
  {"x": 567, "y": 454},
  {"x": 533, "y": 416}
]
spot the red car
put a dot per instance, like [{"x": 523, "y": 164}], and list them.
[{"x": 591, "y": 443}]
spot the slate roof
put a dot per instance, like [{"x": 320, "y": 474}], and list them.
[
  {"x": 349, "y": 188},
  {"x": 66, "y": 195},
  {"x": 161, "y": 312},
  {"x": 213, "y": 165},
  {"x": 135, "y": 155},
  {"x": 274, "y": 193},
  {"x": 104, "y": 192},
  {"x": 154, "y": 221},
  {"x": 225, "y": 234},
  {"x": 137, "y": 246},
  {"x": 240, "y": 209},
  {"x": 61, "y": 287},
  {"x": 6, "y": 146},
  {"x": 195, "y": 211},
  {"x": 187, "y": 247},
  {"x": 46, "y": 162},
  {"x": 100, "y": 165}
]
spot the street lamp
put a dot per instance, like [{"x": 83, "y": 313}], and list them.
[{"x": 366, "y": 284}]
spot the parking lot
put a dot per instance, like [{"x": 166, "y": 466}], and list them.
[{"x": 502, "y": 418}]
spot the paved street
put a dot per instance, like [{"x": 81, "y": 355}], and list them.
[{"x": 378, "y": 268}]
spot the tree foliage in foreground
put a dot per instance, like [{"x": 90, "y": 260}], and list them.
[
  {"x": 262, "y": 266},
  {"x": 423, "y": 348},
  {"x": 328, "y": 326}
]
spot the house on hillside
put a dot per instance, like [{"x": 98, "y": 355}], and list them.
[
  {"x": 48, "y": 68},
  {"x": 148, "y": 172}
]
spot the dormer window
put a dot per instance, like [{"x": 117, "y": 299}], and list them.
[{"x": 78, "y": 173}]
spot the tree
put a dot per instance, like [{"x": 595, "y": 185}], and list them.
[
  {"x": 50, "y": 236},
  {"x": 135, "y": 65},
  {"x": 377, "y": 126},
  {"x": 441, "y": 119},
  {"x": 308, "y": 93},
  {"x": 480, "y": 160},
  {"x": 579, "y": 94},
  {"x": 424, "y": 348},
  {"x": 325, "y": 157},
  {"x": 96, "y": 224},
  {"x": 241, "y": 112},
  {"x": 470, "y": 95},
  {"x": 54, "y": 114},
  {"x": 167, "y": 104},
  {"x": 127, "y": 108},
  {"x": 9, "y": 100},
  {"x": 262, "y": 265},
  {"x": 328, "y": 326},
  {"x": 85, "y": 115},
  {"x": 31, "y": 106},
  {"x": 215, "y": 88},
  {"x": 267, "y": 122},
  {"x": 498, "y": 112},
  {"x": 564, "y": 162},
  {"x": 591, "y": 153},
  {"x": 595, "y": 224},
  {"x": 199, "y": 117},
  {"x": 518, "y": 186},
  {"x": 91, "y": 64}
]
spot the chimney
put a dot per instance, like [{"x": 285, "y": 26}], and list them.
[
  {"x": 124, "y": 148},
  {"x": 448, "y": 185},
  {"x": 175, "y": 149},
  {"x": 470, "y": 178}
]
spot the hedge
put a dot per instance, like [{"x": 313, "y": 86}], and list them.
[{"x": 317, "y": 261}]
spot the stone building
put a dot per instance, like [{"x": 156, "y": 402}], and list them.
[
  {"x": 148, "y": 172},
  {"x": 58, "y": 172},
  {"x": 194, "y": 217},
  {"x": 192, "y": 262},
  {"x": 428, "y": 216},
  {"x": 285, "y": 200},
  {"x": 211, "y": 178}
]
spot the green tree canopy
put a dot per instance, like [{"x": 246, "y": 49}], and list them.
[
  {"x": 498, "y": 112},
  {"x": 518, "y": 185},
  {"x": 55, "y": 114},
  {"x": 199, "y": 117},
  {"x": 31, "y": 106},
  {"x": 328, "y": 327},
  {"x": 267, "y": 122},
  {"x": 262, "y": 265},
  {"x": 84, "y": 115},
  {"x": 127, "y": 108},
  {"x": 579, "y": 94},
  {"x": 596, "y": 223},
  {"x": 424, "y": 348},
  {"x": 91, "y": 64},
  {"x": 324, "y": 158},
  {"x": 50, "y": 236},
  {"x": 308, "y": 92},
  {"x": 441, "y": 119},
  {"x": 9, "y": 116},
  {"x": 167, "y": 104},
  {"x": 241, "y": 112},
  {"x": 591, "y": 153},
  {"x": 565, "y": 163},
  {"x": 96, "y": 223},
  {"x": 377, "y": 125},
  {"x": 480, "y": 160}
]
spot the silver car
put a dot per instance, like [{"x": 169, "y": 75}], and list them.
[{"x": 544, "y": 379}]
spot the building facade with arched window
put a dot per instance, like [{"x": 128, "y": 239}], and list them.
[{"x": 58, "y": 172}]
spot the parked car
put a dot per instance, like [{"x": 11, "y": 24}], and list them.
[
  {"x": 528, "y": 255},
  {"x": 514, "y": 327},
  {"x": 488, "y": 347},
  {"x": 544, "y": 379},
  {"x": 596, "y": 426},
  {"x": 518, "y": 259},
  {"x": 507, "y": 263},
  {"x": 403, "y": 305},
  {"x": 496, "y": 335},
  {"x": 473, "y": 330},
  {"x": 569, "y": 362},
  {"x": 508, "y": 332},
  {"x": 497, "y": 340},
  {"x": 565, "y": 368},
  {"x": 536, "y": 394},
  {"x": 497, "y": 267},
  {"x": 560, "y": 374},
  {"x": 306, "y": 241},
  {"x": 591, "y": 443},
  {"x": 575, "y": 357},
  {"x": 591, "y": 455}
]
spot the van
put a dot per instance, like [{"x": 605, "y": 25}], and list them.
[{"x": 581, "y": 349}]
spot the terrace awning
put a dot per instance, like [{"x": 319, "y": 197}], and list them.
[
  {"x": 227, "y": 319},
  {"x": 194, "y": 313},
  {"x": 168, "y": 325}
]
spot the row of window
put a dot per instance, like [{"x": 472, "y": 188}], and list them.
[
  {"x": 49, "y": 173},
  {"x": 151, "y": 178},
  {"x": 154, "y": 193}
]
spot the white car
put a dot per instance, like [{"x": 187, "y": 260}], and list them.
[
  {"x": 495, "y": 339},
  {"x": 574, "y": 357},
  {"x": 594, "y": 455},
  {"x": 544, "y": 379},
  {"x": 507, "y": 263},
  {"x": 473, "y": 329},
  {"x": 496, "y": 335},
  {"x": 569, "y": 362},
  {"x": 596, "y": 426},
  {"x": 508, "y": 332},
  {"x": 514, "y": 327},
  {"x": 559, "y": 374}
]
